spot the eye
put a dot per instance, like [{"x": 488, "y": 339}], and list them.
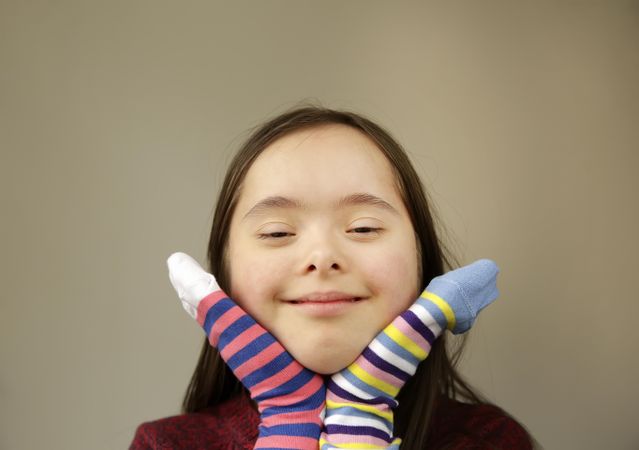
[
  {"x": 364, "y": 230},
  {"x": 274, "y": 235},
  {"x": 275, "y": 231}
]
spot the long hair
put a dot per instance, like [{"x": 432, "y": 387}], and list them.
[{"x": 213, "y": 382}]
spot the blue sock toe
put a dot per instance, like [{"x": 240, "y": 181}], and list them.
[{"x": 467, "y": 290}]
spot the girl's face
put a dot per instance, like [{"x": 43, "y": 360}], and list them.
[{"x": 321, "y": 250}]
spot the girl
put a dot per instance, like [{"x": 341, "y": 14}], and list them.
[{"x": 322, "y": 233}]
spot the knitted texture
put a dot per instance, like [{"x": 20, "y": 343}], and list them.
[
  {"x": 232, "y": 425},
  {"x": 360, "y": 398},
  {"x": 290, "y": 398}
]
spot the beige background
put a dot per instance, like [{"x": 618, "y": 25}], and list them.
[{"x": 117, "y": 120}]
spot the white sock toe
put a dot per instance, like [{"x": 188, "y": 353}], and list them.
[{"x": 191, "y": 282}]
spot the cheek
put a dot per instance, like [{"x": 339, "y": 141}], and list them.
[
  {"x": 395, "y": 278},
  {"x": 255, "y": 280}
]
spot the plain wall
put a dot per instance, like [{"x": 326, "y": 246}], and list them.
[{"x": 117, "y": 120}]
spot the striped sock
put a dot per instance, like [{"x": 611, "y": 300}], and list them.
[
  {"x": 361, "y": 398},
  {"x": 290, "y": 398}
]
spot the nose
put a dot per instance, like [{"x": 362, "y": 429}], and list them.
[
  {"x": 323, "y": 257},
  {"x": 321, "y": 267}
]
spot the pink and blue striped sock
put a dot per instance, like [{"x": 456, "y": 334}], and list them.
[
  {"x": 361, "y": 398},
  {"x": 290, "y": 398}
]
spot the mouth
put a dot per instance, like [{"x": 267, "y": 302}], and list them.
[
  {"x": 326, "y": 304},
  {"x": 327, "y": 297},
  {"x": 319, "y": 302}
]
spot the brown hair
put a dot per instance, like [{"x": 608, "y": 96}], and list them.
[{"x": 213, "y": 382}]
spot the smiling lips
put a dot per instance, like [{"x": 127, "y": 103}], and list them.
[{"x": 333, "y": 297}]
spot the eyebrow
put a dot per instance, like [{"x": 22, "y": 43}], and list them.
[{"x": 280, "y": 202}]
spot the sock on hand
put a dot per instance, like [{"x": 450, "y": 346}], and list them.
[
  {"x": 290, "y": 398},
  {"x": 361, "y": 398}
]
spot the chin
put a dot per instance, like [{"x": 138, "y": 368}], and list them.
[
  {"x": 323, "y": 357},
  {"x": 325, "y": 364}
]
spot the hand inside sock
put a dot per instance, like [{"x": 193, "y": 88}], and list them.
[
  {"x": 361, "y": 398},
  {"x": 290, "y": 398}
]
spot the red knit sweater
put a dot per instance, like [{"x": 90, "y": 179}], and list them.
[{"x": 233, "y": 425}]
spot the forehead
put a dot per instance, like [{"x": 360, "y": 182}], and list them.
[{"x": 327, "y": 160}]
